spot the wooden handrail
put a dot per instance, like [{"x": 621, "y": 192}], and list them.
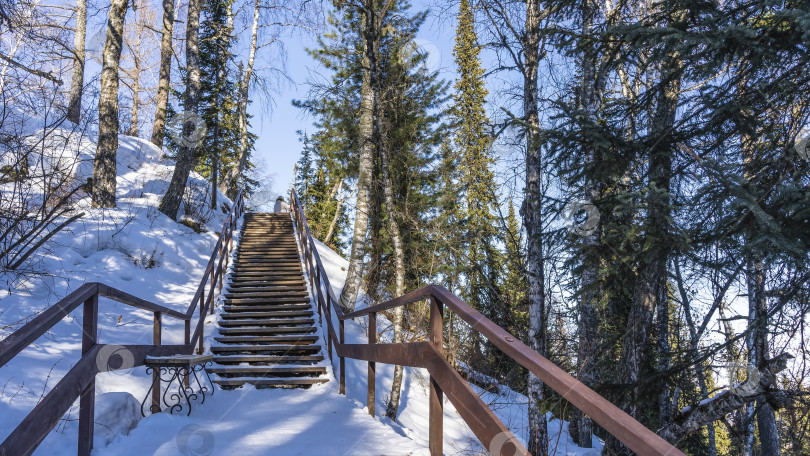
[
  {"x": 491, "y": 432},
  {"x": 79, "y": 381}
]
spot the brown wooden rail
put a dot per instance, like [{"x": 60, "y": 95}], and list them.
[
  {"x": 79, "y": 381},
  {"x": 444, "y": 380}
]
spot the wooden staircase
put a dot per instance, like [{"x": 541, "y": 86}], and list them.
[{"x": 267, "y": 336}]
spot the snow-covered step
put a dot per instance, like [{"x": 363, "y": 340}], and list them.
[
  {"x": 290, "y": 382},
  {"x": 291, "y": 370},
  {"x": 267, "y": 336},
  {"x": 268, "y": 322},
  {"x": 267, "y": 359},
  {"x": 265, "y": 307},
  {"x": 266, "y": 349},
  {"x": 280, "y": 300},
  {"x": 289, "y": 339},
  {"x": 267, "y": 314}
]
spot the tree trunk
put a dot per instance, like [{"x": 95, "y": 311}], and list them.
[
  {"x": 333, "y": 224},
  {"x": 368, "y": 106},
  {"x": 233, "y": 173},
  {"x": 757, "y": 340},
  {"x": 590, "y": 102},
  {"x": 164, "y": 78},
  {"x": 650, "y": 293},
  {"x": 77, "y": 83},
  {"x": 399, "y": 261},
  {"x": 185, "y": 156},
  {"x": 136, "y": 90},
  {"x": 533, "y": 221},
  {"x": 104, "y": 169}
]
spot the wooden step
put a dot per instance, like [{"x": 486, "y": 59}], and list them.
[
  {"x": 280, "y": 275},
  {"x": 271, "y": 288},
  {"x": 267, "y": 322},
  {"x": 271, "y": 314},
  {"x": 269, "y": 359},
  {"x": 267, "y": 371},
  {"x": 311, "y": 349},
  {"x": 273, "y": 283},
  {"x": 259, "y": 383},
  {"x": 261, "y": 331},
  {"x": 268, "y": 262},
  {"x": 266, "y": 301},
  {"x": 268, "y": 268},
  {"x": 266, "y": 294},
  {"x": 266, "y": 307},
  {"x": 264, "y": 257},
  {"x": 289, "y": 340}
]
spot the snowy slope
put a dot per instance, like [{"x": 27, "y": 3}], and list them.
[
  {"x": 134, "y": 248},
  {"x": 509, "y": 406}
]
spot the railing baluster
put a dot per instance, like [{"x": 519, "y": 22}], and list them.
[
  {"x": 436, "y": 413},
  {"x": 372, "y": 366},
  {"x": 187, "y": 325},
  {"x": 156, "y": 340},
  {"x": 329, "y": 323},
  {"x": 342, "y": 361},
  {"x": 87, "y": 401},
  {"x": 202, "y": 326},
  {"x": 211, "y": 289}
]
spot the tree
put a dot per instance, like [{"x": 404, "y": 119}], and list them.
[
  {"x": 218, "y": 97},
  {"x": 77, "y": 81},
  {"x": 170, "y": 203},
  {"x": 164, "y": 75},
  {"x": 241, "y": 162},
  {"x": 139, "y": 45},
  {"x": 104, "y": 169},
  {"x": 369, "y": 104}
]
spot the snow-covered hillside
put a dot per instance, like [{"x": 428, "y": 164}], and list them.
[
  {"x": 509, "y": 406},
  {"x": 134, "y": 248}
]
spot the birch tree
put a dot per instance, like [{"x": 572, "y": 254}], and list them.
[
  {"x": 104, "y": 166},
  {"x": 170, "y": 203},
  {"x": 77, "y": 81},
  {"x": 164, "y": 76}
]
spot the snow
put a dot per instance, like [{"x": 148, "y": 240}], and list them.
[
  {"x": 247, "y": 421},
  {"x": 137, "y": 249},
  {"x": 510, "y": 406},
  {"x": 132, "y": 247},
  {"x": 116, "y": 414}
]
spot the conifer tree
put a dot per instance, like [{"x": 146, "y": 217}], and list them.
[{"x": 482, "y": 260}]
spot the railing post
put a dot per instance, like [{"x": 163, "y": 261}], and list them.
[
  {"x": 318, "y": 301},
  {"x": 342, "y": 361},
  {"x": 221, "y": 261},
  {"x": 202, "y": 326},
  {"x": 211, "y": 290},
  {"x": 87, "y": 400},
  {"x": 187, "y": 325},
  {"x": 372, "y": 374},
  {"x": 156, "y": 340},
  {"x": 436, "y": 413},
  {"x": 329, "y": 324}
]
